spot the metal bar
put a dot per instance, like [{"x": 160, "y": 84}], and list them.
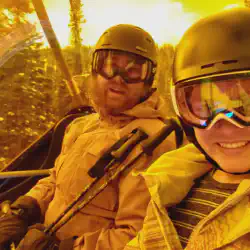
[
  {"x": 28, "y": 173},
  {"x": 57, "y": 51}
]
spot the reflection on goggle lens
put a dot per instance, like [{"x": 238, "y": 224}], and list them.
[
  {"x": 200, "y": 103},
  {"x": 132, "y": 68}
]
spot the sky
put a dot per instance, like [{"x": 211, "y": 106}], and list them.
[{"x": 166, "y": 20}]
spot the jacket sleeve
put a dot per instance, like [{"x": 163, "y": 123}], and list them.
[
  {"x": 128, "y": 221},
  {"x": 44, "y": 189}
]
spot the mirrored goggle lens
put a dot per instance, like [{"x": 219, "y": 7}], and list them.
[
  {"x": 132, "y": 68},
  {"x": 199, "y": 103}
]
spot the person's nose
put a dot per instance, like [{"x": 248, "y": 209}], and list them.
[
  {"x": 224, "y": 121},
  {"x": 118, "y": 80},
  {"x": 226, "y": 127}
]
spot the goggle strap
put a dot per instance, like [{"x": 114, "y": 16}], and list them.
[
  {"x": 174, "y": 101},
  {"x": 94, "y": 63}
]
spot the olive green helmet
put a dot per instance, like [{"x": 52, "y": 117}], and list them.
[
  {"x": 128, "y": 38},
  {"x": 218, "y": 44},
  {"x": 215, "y": 46}
]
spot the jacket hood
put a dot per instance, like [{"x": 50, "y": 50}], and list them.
[
  {"x": 171, "y": 176},
  {"x": 153, "y": 107}
]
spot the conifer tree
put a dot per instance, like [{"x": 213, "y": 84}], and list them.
[{"x": 76, "y": 21}]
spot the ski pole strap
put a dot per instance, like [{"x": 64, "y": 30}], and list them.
[{"x": 171, "y": 125}]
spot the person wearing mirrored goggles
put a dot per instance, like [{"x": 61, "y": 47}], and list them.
[
  {"x": 211, "y": 96},
  {"x": 121, "y": 93},
  {"x": 196, "y": 204},
  {"x": 123, "y": 71}
]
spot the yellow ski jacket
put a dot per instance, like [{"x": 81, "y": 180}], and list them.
[
  {"x": 169, "y": 180},
  {"x": 115, "y": 215}
]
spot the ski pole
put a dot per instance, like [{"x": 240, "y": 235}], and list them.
[
  {"x": 148, "y": 146},
  {"x": 138, "y": 136}
]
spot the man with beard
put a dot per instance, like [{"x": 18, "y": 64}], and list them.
[
  {"x": 205, "y": 206},
  {"x": 123, "y": 70}
]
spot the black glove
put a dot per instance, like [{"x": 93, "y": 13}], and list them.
[
  {"x": 14, "y": 222},
  {"x": 36, "y": 239}
]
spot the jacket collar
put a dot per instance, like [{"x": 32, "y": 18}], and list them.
[{"x": 174, "y": 172}]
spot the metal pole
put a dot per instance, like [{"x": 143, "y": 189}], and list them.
[
  {"x": 57, "y": 51},
  {"x": 19, "y": 174}
]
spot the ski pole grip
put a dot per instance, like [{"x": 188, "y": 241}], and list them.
[
  {"x": 121, "y": 154},
  {"x": 98, "y": 170},
  {"x": 151, "y": 143}
]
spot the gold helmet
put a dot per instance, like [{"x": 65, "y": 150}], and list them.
[
  {"x": 217, "y": 44},
  {"x": 211, "y": 54},
  {"x": 133, "y": 41},
  {"x": 128, "y": 38}
]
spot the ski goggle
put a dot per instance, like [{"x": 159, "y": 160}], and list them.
[
  {"x": 131, "y": 67},
  {"x": 202, "y": 103}
]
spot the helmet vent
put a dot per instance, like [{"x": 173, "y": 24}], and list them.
[
  {"x": 141, "y": 49},
  {"x": 230, "y": 61},
  {"x": 223, "y": 62},
  {"x": 149, "y": 40},
  {"x": 207, "y": 66}
]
